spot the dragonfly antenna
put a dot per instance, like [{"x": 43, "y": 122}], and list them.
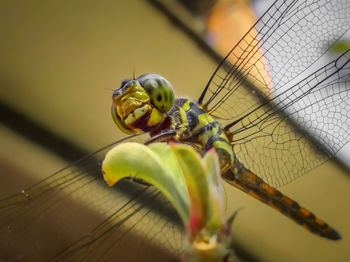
[{"x": 133, "y": 72}]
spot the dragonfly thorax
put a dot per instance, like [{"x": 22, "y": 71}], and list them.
[{"x": 195, "y": 126}]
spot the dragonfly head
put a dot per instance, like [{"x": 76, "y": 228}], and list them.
[{"x": 141, "y": 104}]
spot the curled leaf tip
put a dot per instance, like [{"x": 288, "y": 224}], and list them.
[
  {"x": 110, "y": 180},
  {"x": 110, "y": 183}
]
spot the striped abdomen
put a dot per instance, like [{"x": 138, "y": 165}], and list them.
[{"x": 257, "y": 188}]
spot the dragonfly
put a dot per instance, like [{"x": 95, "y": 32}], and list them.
[{"x": 276, "y": 59}]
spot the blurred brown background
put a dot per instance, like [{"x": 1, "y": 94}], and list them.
[{"x": 60, "y": 60}]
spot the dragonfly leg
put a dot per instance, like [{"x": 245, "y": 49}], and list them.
[
  {"x": 254, "y": 186},
  {"x": 163, "y": 136}
]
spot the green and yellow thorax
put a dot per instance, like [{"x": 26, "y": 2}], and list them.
[{"x": 195, "y": 125}]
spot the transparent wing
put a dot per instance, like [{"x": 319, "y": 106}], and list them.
[
  {"x": 285, "y": 41},
  {"x": 279, "y": 139},
  {"x": 144, "y": 227},
  {"x": 42, "y": 220},
  {"x": 263, "y": 75}
]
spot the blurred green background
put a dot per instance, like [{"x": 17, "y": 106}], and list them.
[{"x": 60, "y": 61}]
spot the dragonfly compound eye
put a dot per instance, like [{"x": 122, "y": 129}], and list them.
[{"x": 160, "y": 91}]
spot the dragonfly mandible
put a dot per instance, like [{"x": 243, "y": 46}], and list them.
[{"x": 263, "y": 138}]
